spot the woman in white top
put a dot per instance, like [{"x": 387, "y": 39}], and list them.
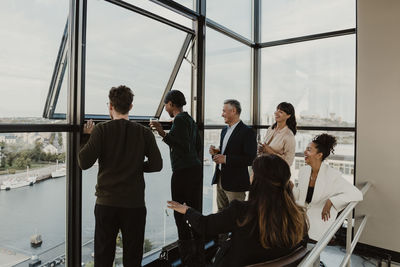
[
  {"x": 279, "y": 139},
  {"x": 321, "y": 187}
]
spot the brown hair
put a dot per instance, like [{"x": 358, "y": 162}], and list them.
[
  {"x": 121, "y": 98},
  {"x": 281, "y": 222}
]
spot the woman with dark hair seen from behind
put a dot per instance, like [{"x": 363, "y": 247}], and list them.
[
  {"x": 187, "y": 174},
  {"x": 320, "y": 187},
  {"x": 267, "y": 226},
  {"x": 279, "y": 139}
]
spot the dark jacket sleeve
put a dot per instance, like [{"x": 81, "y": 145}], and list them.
[
  {"x": 154, "y": 161},
  {"x": 249, "y": 150},
  {"x": 210, "y": 225},
  {"x": 179, "y": 135},
  {"x": 90, "y": 149}
]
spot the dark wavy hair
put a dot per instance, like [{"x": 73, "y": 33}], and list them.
[
  {"x": 121, "y": 98},
  {"x": 281, "y": 222},
  {"x": 176, "y": 97},
  {"x": 291, "y": 122},
  {"x": 325, "y": 144}
]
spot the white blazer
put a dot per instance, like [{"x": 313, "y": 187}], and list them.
[{"x": 329, "y": 185}]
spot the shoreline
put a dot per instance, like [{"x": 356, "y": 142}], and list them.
[{"x": 42, "y": 173}]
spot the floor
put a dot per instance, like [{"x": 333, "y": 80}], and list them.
[{"x": 332, "y": 256}]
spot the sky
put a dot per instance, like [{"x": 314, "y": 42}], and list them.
[{"x": 123, "y": 47}]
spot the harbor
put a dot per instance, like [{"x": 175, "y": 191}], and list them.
[{"x": 10, "y": 181}]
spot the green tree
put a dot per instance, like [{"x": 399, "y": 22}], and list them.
[
  {"x": 60, "y": 139},
  {"x": 147, "y": 246},
  {"x": 61, "y": 157},
  {"x": 37, "y": 153},
  {"x": 21, "y": 162},
  {"x": 52, "y": 137}
]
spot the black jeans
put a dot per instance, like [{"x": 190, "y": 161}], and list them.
[
  {"x": 186, "y": 187},
  {"x": 109, "y": 220}
]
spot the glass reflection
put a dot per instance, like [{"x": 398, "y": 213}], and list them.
[
  {"x": 317, "y": 77},
  {"x": 227, "y": 76},
  {"x": 288, "y": 19},
  {"x": 131, "y": 57},
  {"x": 32, "y": 197},
  {"x": 235, "y": 15},
  {"x": 30, "y": 38}
]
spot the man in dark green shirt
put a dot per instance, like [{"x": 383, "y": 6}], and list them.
[
  {"x": 187, "y": 173},
  {"x": 120, "y": 146}
]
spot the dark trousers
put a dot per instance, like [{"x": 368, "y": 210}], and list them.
[
  {"x": 186, "y": 187},
  {"x": 109, "y": 220}
]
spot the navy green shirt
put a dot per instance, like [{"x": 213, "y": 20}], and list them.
[
  {"x": 184, "y": 142},
  {"x": 121, "y": 147}
]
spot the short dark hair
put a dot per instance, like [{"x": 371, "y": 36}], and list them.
[
  {"x": 325, "y": 144},
  {"x": 176, "y": 97},
  {"x": 121, "y": 98},
  {"x": 234, "y": 103}
]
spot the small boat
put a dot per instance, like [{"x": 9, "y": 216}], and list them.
[
  {"x": 59, "y": 172},
  {"x": 36, "y": 240}
]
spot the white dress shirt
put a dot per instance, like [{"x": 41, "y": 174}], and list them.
[{"x": 228, "y": 134}]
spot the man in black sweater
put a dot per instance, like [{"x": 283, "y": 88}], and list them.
[{"x": 120, "y": 146}]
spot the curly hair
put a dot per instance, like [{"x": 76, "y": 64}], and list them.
[
  {"x": 325, "y": 144},
  {"x": 121, "y": 98}
]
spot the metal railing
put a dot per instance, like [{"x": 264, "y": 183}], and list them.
[{"x": 350, "y": 245}]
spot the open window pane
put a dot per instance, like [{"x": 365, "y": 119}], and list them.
[
  {"x": 228, "y": 75},
  {"x": 317, "y": 77},
  {"x": 141, "y": 56},
  {"x": 30, "y": 38},
  {"x": 234, "y": 15},
  {"x": 32, "y": 197},
  {"x": 288, "y": 19}
]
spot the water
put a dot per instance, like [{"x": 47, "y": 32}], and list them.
[{"x": 41, "y": 208}]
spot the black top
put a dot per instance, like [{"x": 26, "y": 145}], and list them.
[
  {"x": 245, "y": 245},
  {"x": 184, "y": 142},
  {"x": 310, "y": 192},
  {"x": 120, "y": 147},
  {"x": 240, "y": 152}
]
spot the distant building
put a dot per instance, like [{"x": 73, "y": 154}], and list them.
[
  {"x": 50, "y": 149},
  {"x": 10, "y": 139}
]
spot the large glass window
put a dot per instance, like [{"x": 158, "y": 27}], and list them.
[
  {"x": 317, "y": 77},
  {"x": 227, "y": 76},
  {"x": 235, "y": 15},
  {"x": 30, "y": 36},
  {"x": 32, "y": 196},
  {"x": 288, "y": 19},
  {"x": 133, "y": 56},
  {"x": 211, "y": 137},
  {"x": 342, "y": 159},
  {"x": 183, "y": 83}
]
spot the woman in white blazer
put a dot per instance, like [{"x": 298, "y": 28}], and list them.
[{"x": 321, "y": 187}]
